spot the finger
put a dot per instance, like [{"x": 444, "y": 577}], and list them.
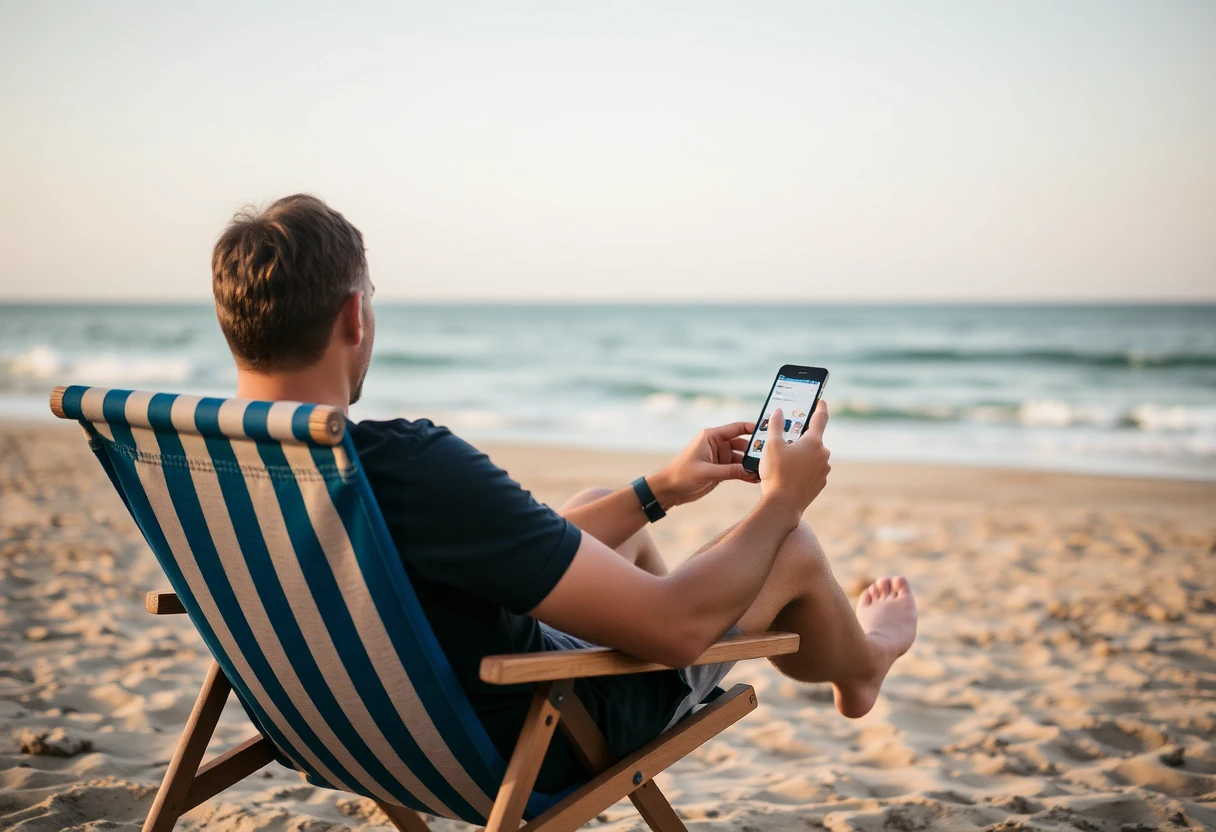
[
  {"x": 776, "y": 421},
  {"x": 735, "y": 471},
  {"x": 731, "y": 431},
  {"x": 739, "y": 443},
  {"x": 818, "y": 421}
]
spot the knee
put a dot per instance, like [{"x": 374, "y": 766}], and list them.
[
  {"x": 801, "y": 558},
  {"x": 587, "y": 495}
]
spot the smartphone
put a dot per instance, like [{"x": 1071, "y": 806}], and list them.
[{"x": 796, "y": 390}]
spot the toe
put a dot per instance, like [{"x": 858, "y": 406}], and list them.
[
  {"x": 882, "y": 587},
  {"x": 901, "y": 585}
]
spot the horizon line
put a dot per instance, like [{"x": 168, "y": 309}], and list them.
[{"x": 641, "y": 302}]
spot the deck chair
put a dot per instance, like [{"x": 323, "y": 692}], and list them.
[{"x": 273, "y": 544}]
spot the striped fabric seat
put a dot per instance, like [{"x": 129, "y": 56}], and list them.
[{"x": 268, "y": 531}]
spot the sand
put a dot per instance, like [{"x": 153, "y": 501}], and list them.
[{"x": 1064, "y": 676}]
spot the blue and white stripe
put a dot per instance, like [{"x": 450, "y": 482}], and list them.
[
  {"x": 287, "y": 421},
  {"x": 278, "y": 551}
]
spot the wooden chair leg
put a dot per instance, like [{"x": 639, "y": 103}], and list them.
[
  {"x": 623, "y": 777},
  {"x": 656, "y": 809},
  {"x": 403, "y": 818},
  {"x": 591, "y": 747},
  {"x": 233, "y": 766},
  {"x": 170, "y": 799},
  {"x": 529, "y": 753}
]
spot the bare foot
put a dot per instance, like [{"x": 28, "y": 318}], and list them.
[{"x": 887, "y": 614}]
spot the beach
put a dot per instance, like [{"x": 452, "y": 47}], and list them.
[{"x": 1064, "y": 676}]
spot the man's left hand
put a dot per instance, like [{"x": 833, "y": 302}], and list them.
[{"x": 716, "y": 455}]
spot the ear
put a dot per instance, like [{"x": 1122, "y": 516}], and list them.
[{"x": 350, "y": 319}]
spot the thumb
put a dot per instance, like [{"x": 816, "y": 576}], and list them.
[
  {"x": 734, "y": 471},
  {"x": 819, "y": 420},
  {"x": 776, "y": 433}
]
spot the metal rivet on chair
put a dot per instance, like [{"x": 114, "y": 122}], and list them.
[{"x": 637, "y": 778}]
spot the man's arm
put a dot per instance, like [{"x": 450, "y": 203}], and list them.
[
  {"x": 712, "y": 457},
  {"x": 616, "y": 517},
  {"x": 674, "y": 618},
  {"x": 671, "y": 619}
]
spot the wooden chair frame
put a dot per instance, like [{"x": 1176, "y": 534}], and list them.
[{"x": 186, "y": 784}]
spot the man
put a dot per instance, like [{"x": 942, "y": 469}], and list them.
[{"x": 497, "y": 572}]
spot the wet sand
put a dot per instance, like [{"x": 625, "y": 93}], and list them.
[{"x": 1064, "y": 676}]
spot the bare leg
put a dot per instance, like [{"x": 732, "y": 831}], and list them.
[
  {"x": 639, "y": 549},
  {"x": 852, "y": 650}
]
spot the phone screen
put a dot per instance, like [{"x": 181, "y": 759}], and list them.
[{"x": 796, "y": 398}]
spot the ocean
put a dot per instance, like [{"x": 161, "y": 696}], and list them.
[{"x": 1100, "y": 389}]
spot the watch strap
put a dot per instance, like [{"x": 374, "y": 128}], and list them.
[{"x": 650, "y": 505}]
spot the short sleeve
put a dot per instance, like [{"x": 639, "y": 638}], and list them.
[{"x": 460, "y": 520}]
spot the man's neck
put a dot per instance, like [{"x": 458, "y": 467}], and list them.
[{"x": 307, "y": 386}]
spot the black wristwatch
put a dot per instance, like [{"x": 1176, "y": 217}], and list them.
[{"x": 650, "y": 505}]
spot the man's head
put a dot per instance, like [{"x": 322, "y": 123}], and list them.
[{"x": 292, "y": 291}]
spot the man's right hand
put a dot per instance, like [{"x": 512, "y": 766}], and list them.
[{"x": 796, "y": 472}]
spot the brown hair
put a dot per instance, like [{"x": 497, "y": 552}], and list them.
[{"x": 280, "y": 276}]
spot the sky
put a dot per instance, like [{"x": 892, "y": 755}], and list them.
[{"x": 668, "y": 151}]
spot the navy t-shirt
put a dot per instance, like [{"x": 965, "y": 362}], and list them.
[{"x": 481, "y": 553}]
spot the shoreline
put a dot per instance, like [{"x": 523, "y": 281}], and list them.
[
  {"x": 932, "y": 480},
  {"x": 941, "y": 470}
]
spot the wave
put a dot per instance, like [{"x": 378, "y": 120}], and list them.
[
  {"x": 920, "y": 413},
  {"x": 619, "y": 389},
  {"x": 1043, "y": 413},
  {"x": 633, "y": 390},
  {"x": 1032, "y": 413},
  {"x": 43, "y": 364},
  {"x": 1133, "y": 359},
  {"x": 413, "y": 359}
]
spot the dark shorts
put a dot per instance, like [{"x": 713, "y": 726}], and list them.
[{"x": 630, "y": 710}]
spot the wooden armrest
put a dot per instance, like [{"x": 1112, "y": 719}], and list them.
[
  {"x": 601, "y": 661},
  {"x": 163, "y": 603}
]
